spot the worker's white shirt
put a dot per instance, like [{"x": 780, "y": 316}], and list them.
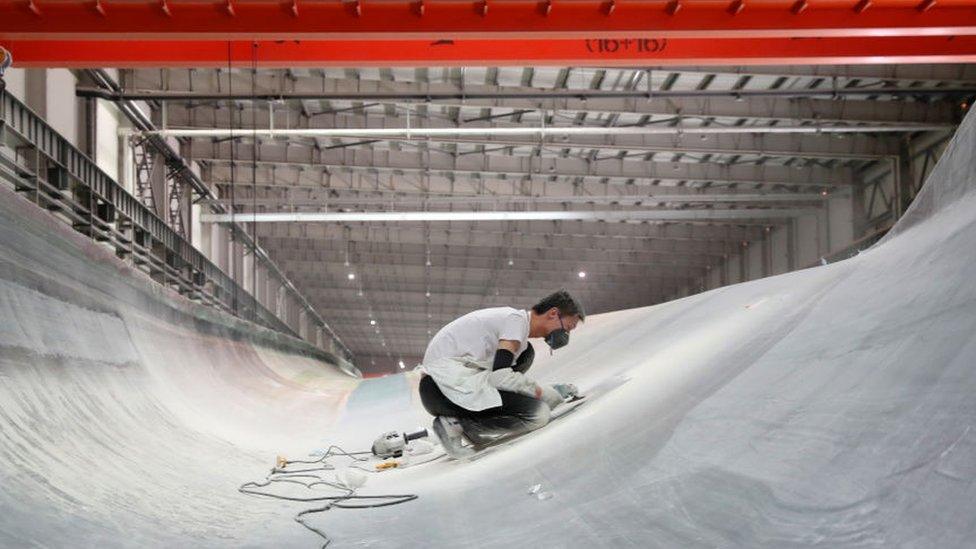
[
  {"x": 461, "y": 355},
  {"x": 475, "y": 336}
]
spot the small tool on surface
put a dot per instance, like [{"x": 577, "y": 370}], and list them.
[{"x": 393, "y": 443}]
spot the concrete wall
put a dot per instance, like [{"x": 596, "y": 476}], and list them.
[
  {"x": 840, "y": 222},
  {"x": 219, "y": 251},
  {"x": 199, "y": 237},
  {"x": 261, "y": 286},
  {"x": 779, "y": 250},
  {"x": 808, "y": 240},
  {"x": 63, "y": 108},
  {"x": 813, "y": 236},
  {"x": 754, "y": 259},
  {"x": 846, "y": 216},
  {"x": 108, "y": 148},
  {"x": 733, "y": 268},
  {"x": 16, "y": 80}
]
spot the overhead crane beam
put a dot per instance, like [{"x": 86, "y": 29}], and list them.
[{"x": 480, "y": 19}]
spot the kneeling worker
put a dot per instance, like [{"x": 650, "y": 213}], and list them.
[{"x": 477, "y": 388}]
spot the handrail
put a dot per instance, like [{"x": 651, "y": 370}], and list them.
[{"x": 99, "y": 206}]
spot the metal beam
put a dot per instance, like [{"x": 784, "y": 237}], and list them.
[
  {"x": 471, "y": 19},
  {"x": 765, "y": 109},
  {"x": 480, "y": 165},
  {"x": 391, "y": 293},
  {"x": 485, "y": 93},
  {"x": 541, "y": 131},
  {"x": 345, "y": 190},
  {"x": 418, "y": 276},
  {"x": 413, "y": 53},
  {"x": 322, "y": 198},
  {"x": 290, "y": 181},
  {"x": 413, "y": 267},
  {"x": 516, "y": 166},
  {"x": 292, "y": 185},
  {"x": 563, "y": 234},
  {"x": 823, "y": 145},
  {"x": 950, "y": 74},
  {"x": 363, "y": 259},
  {"x": 439, "y": 254},
  {"x": 595, "y": 215}
]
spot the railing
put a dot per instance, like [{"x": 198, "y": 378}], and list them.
[
  {"x": 179, "y": 169},
  {"x": 56, "y": 176}
]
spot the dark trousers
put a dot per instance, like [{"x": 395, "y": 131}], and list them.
[{"x": 517, "y": 414}]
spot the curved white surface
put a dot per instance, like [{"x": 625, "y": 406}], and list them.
[{"x": 828, "y": 407}]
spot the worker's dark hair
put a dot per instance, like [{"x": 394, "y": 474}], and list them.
[{"x": 567, "y": 305}]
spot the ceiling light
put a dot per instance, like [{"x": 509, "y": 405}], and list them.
[
  {"x": 351, "y": 276},
  {"x": 372, "y": 323},
  {"x": 428, "y": 294},
  {"x": 582, "y": 274},
  {"x": 510, "y": 263},
  {"x": 402, "y": 365}
]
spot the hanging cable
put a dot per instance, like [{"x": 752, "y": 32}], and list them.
[
  {"x": 233, "y": 226},
  {"x": 254, "y": 176}
]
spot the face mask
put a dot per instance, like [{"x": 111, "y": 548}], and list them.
[{"x": 558, "y": 337}]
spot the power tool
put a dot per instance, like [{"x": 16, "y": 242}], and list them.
[{"x": 393, "y": 443}]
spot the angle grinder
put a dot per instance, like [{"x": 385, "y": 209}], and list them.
[{"x": 393, "y": 443}]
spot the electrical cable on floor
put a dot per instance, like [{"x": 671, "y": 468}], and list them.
[{"x": 310, "y": 477}]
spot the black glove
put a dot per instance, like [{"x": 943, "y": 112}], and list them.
[
  {"x": 503, "y": 359},
  {"x": 525, "y": 359}
]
